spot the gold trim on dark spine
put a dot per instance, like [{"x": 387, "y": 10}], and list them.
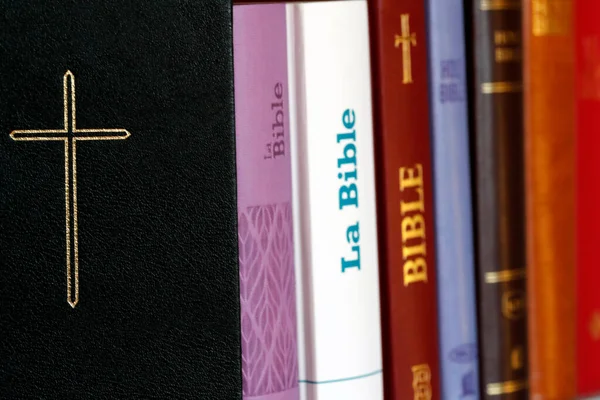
[
  {"x": 496, "y": 5},
  {"x": 498, "y": 139},
  {"x": 497, "y": 389},
  {"x": 506, "y": 275},
  {"x": 501, "y": 87}
]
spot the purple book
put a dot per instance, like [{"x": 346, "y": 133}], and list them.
[{"x": 267, "y": 288}]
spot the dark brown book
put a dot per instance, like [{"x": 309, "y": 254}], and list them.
[
  {"x": 405, "y": 199},
  {"x": 497, "y": 140}
]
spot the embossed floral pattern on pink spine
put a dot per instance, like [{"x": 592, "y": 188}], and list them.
[{"x": 267, "y": 287}]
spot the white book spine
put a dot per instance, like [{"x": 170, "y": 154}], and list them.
[{"x": 333, "y": 179}]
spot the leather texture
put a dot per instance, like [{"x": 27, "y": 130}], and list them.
[
  {"x": 497, "y": 139},
  {"x": 158, "y": 314},
  {"x": 549, "y": 79},
  {"x": 402, "y": 143}
]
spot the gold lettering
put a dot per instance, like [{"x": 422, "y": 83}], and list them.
[
  {"x": 516, "y": 358},
  {"x": 417, "y": 205},
  {"x": 507, "y": 54},
  {"x": 508, "y": 46},
  {"x": 411, "y": 180},
  {"x": 503, "y": 38},
  {"x": 513, "y": 304},
  {"x": 551, "y": 17},
  {"x": 410, "y": 251},
  {"x": 422, "y": 382},
  {"x": 413, "y": 226},
  {"x": 415, "y": 271}
]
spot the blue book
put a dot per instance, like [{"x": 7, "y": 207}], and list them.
[{"x": 452, "y": 194}]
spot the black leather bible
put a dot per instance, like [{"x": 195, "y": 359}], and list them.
[{"x": 118, "y": 232}]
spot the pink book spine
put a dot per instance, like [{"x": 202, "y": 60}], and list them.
[{"x": 267, "y": 287}]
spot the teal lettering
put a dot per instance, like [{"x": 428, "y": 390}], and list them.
[
  {"x": 354, "y": 263},
  {"x": 348, "y": 195}
]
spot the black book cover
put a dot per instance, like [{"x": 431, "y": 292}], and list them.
[{"x": 118, "y": 236}]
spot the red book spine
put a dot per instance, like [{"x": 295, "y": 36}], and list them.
[
  {"x": 405, "y": 199},
  {"x": 587, "y": 48}
]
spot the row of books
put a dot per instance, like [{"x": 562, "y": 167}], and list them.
[
  {"x": 408, "y": 211},
  {"x": 406, "y": 198}
]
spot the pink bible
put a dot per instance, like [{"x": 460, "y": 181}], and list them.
[{"x": 267, "y": 288}]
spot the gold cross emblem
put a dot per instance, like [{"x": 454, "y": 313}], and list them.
[
  {"x": 406, "y": 40},
  {"x": 70, "y": 135}
]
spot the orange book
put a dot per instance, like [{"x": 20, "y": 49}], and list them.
[{"x": 550, "y": 196}]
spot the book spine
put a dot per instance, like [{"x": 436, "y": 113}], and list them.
[
  {"x": 265, "y": 226},
  {"x": 334, "y": 201},
  {"x": 405, "y": 199},
  {"x": 550, "y": 165},
  {"x": 587, "y": 60},
  {"x": 452, "y": 198},
  {"x": 499, "y": 185}
]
